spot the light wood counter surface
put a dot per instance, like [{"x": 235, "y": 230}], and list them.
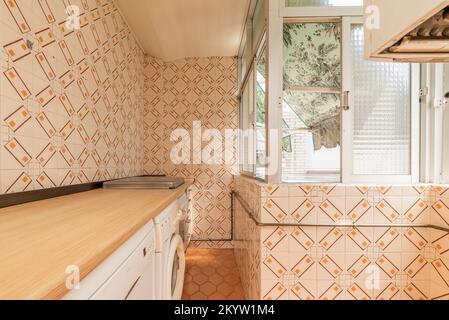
[{"x": 39, "y": 240}]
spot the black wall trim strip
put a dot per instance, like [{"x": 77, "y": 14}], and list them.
[{"x": 14, "y": 199}]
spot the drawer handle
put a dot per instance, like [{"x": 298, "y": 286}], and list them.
[{"x": 132, "y": 288}]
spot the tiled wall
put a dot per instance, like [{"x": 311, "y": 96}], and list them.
[
  {"x": 247, "y": 252},
  {"x": 332, "y": 262},
  {"x": 177, "y": 94},
  {"x": 70, "y": 100},
  {"x": 72, "y": 106},
  {"x": 440, "y": 240}
]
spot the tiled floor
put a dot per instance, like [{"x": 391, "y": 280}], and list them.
[{"x": 212, "y": 275}]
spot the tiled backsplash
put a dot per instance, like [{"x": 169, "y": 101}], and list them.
[
  {"x": 177, "y": 94},
  {"x": 71, "y": 101},
  {"x": 331, "y": 257},
  {"x": 75, "y": 106},
  {"x": 328, "y": 204}
]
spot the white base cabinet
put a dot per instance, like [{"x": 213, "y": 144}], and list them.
[{"x": 127, "y": 274}]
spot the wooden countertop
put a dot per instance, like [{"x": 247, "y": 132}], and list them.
[{"x": 39, "y": 240}]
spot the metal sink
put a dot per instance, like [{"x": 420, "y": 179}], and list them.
[{"x": 149, "y": 182}]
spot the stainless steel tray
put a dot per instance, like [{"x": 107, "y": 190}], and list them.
[{"x": 145, "y": 183}]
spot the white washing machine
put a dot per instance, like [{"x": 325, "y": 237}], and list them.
[
  {"x": 170, "y": 253},
  {"x": 127, "y": 274},
  {"x": 186, "y": 222},
  {"x": 145, "y": 287}
]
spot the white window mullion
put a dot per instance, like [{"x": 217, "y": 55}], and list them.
[
  {"x": 415, "y": 125},
  {"x": 292, "y": 12},
  {"x": 246, "y": 143},
  {"x": 275, "y": 81},
  {"x": 348, "y": 85},
  {"x": 437, "y": 125},
  {"x": 445, "y": 171},
  {"x": 426, "y": 84}
]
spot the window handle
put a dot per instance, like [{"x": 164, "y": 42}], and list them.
[{"x": 345, "y": 100}]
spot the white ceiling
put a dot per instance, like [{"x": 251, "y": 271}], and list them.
[{"x": 175, "y": 29}]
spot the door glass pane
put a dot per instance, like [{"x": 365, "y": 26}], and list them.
[
  {"x": 322, "y": 3},
  {"x": 311, "y": 106},
  {"x": 382, "y": 113}
]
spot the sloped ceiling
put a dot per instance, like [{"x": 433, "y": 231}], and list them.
[{"x": 175, "y": 29}]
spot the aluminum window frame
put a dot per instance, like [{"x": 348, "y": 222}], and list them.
[
  {"x": 320, "y": 11},
  {"x": 277, "y": 14},
  {"x": 445, "y": 151},
  {"x": 347, "y": 145},
  {"x": 250, "y": 78},
  {"x": 434, "y": 123}
]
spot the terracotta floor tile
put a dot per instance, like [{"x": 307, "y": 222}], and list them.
[
  {"x": 225, "y": 288},
  {"x": 209, "y": 271},
  {"x": 236, "y": 296},
  {"x": 223, "y": 271},
  {"x": 216, "y": 279},
  {"x": 208, "y": 289},
  {"x": 217, "y": 296},
  {"x": 191, "y": 288},
  {"x": 232, "y": 279},
  {"x": 212, "y": 274},
  {"x": 200, "y": 279},
  {"x": 198, "y": 296}
]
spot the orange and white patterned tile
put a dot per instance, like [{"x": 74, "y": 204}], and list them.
[
  {"x": 177, "y": 94},
  {"x": 416, "y": 210},
  {"x": 359, "y": 210},
  {"x": 303, "y": 210},
  {"x": 387, "y": 210},
  {"x": 247, "y": 249},
  {"x": 274, "y": 191},
  {"x": 315, "y": 262},
  {"x": 331, "y": 210},
  {"x": 440, "y": 213},
  {"x": 275, "y": 209},
  {"x": 71, "y": 100},
  {"x": 438, "y": 292}
]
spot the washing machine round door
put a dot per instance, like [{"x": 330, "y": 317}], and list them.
[{"x": 176, "y": 269}]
